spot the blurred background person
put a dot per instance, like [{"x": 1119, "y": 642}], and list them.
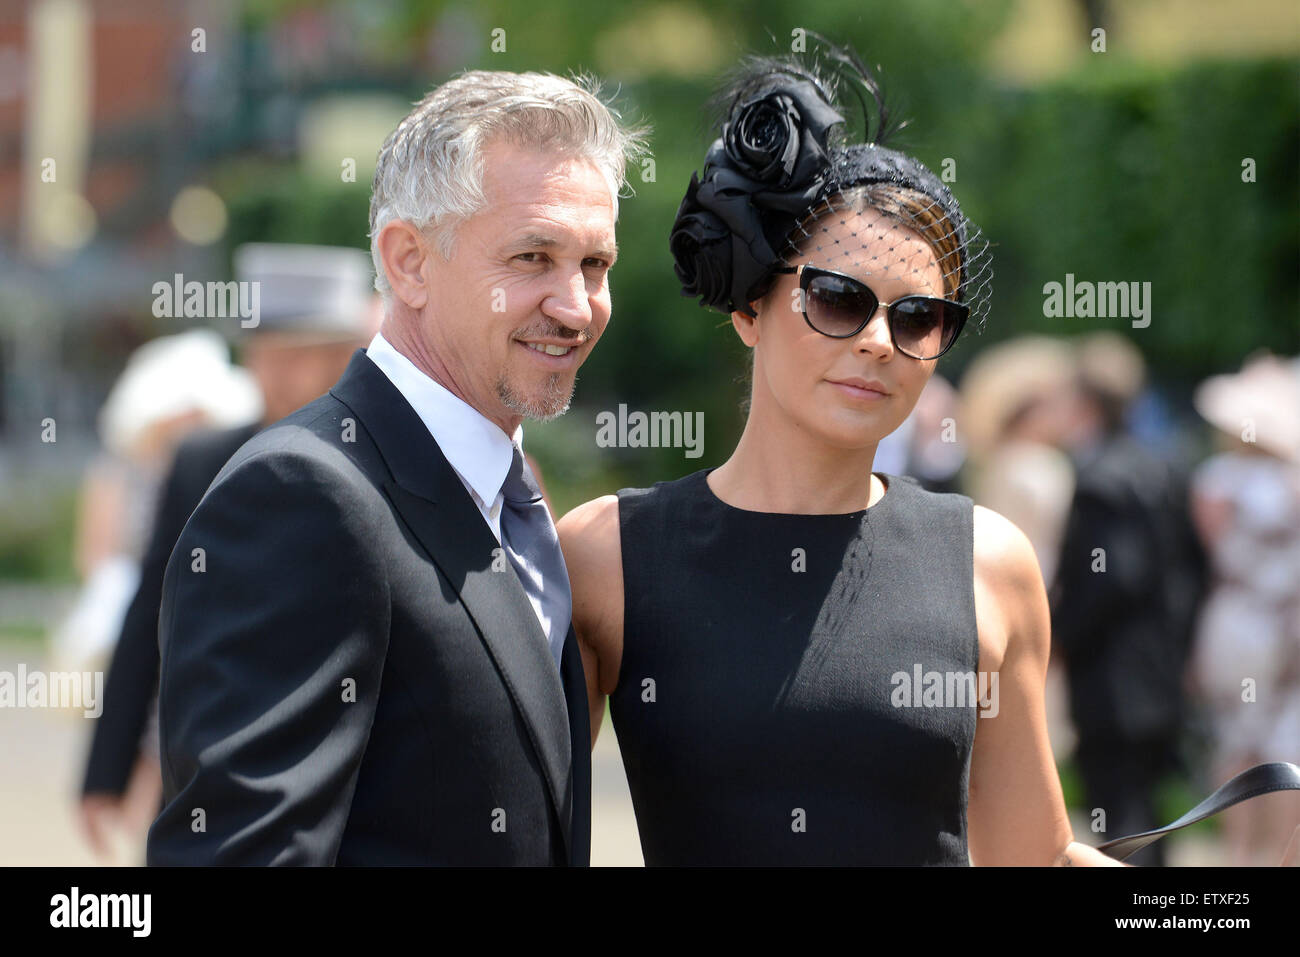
[
  {"x": 1012, "y": 413},
  {"x": 927, "y": 446},
  {"x": 170, "y": 387},
  {"x": 317, "y": 308},
  {"x": 1127, "y": 586},
  {"x": 1246, "y": 662}
]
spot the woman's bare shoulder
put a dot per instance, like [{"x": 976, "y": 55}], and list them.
[
  {"x": 590, "y": 540},
  {"x": 590, "y": 531},
  {"x": 1010, "y": 598},
  {"x": 1003, "y": 551}
]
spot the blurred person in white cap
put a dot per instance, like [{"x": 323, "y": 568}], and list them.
[
  {"x": 317, "y": 305},
  {"x": 1246, "y": 660},
  {"x": 316, "y": 308},
  {"x": 170, "y": 386},
  {"x": 1128, "y": 584}
]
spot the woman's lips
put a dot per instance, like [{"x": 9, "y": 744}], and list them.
[{"x": 863, "y": 389}]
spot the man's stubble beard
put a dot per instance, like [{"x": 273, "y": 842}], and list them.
[{"x": 551, "y": 404}]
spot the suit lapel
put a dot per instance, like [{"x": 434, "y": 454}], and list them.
[{"x": 435, "y": 505}]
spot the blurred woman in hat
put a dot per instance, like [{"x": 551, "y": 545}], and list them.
[{"x": 1246, "y": 662}]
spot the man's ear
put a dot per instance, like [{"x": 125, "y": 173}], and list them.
[
  {"x": 746, "y": 326},
  {"x": 403, "y": 251}
]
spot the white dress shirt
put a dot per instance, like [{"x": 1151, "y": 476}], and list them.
[
  {"x": 479, "y": 452},
  {"x": 477, "y": 449}
]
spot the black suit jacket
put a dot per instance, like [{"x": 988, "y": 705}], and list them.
[
  {"x": 350, "y": 672},
  {"x": 133, "y": 671}
]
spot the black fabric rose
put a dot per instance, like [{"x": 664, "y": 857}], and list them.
[
  {"x": 778, "y": 138},
  {"x": 701, "y": 246},
  {"x": 765, "y": 138},
  {"x": 770, "y": 164}
]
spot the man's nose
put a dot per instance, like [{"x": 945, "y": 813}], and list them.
[{"x": 568, "y": 303}]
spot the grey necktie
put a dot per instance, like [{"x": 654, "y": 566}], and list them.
[{"x": 529, "y": 538}]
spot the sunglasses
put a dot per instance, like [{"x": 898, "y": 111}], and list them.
[{"x": 840, "y": 306}]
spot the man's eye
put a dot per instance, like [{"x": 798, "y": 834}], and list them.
[
  {"x": 525, "y": 257},
  {"x": 598, "y": 263}
]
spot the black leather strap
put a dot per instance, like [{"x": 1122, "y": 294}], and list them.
[{"x": 1261, "y": 779}]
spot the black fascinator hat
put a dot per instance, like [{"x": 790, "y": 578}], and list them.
[{"x": 781, "y": 154}]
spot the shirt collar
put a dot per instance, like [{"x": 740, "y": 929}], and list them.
[{"x": 475, "y": 446}]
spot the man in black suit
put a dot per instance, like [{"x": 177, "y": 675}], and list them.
[
  {"x": 315, "y": 309},
  {"x": 366, "y": 649}
]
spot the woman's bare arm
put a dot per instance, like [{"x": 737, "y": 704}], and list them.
[
  {"x": 589, "y": 538},
  {"x": 1016, "y": 813}
]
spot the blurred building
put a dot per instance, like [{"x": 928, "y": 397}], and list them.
[
  {"x": 116, "y": 116},
  {"x": 101, "y": 108}
]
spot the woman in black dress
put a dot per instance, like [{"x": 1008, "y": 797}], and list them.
[{"x": 808, "y": 662}]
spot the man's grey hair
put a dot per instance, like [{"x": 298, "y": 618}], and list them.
[{"x": 430, "y": 169}]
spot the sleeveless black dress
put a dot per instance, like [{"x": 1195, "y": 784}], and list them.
[{"x": 760, "y": 710}]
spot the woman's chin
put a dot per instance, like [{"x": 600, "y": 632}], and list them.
[{"x": 852, "y": 436}]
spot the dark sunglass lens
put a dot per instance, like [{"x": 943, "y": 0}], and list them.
[
  {"x": 924, "y": 327},
  {"x": 837, "y": 306}
]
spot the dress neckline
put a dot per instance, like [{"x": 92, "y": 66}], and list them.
[{"x": 889, "y": 495}]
